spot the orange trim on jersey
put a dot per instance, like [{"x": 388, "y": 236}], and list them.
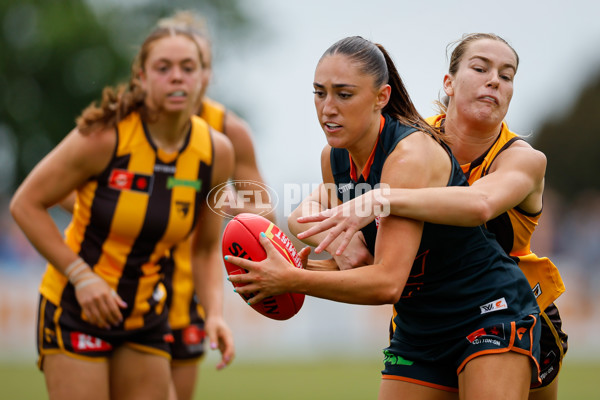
[
  {"x": 418, "y": 382},
  {"x": 367, "y": 169}
]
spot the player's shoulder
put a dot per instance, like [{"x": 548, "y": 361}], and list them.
[
  {"x": 523, "y": 151},
  {"x": 221, "y": 142},
  {"x": 237, "y": 128}
]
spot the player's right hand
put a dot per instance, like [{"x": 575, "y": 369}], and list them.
[{"x": 100, "y": 304}]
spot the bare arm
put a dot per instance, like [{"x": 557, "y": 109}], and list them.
[
  {"x": 517, "y": 179},
  {"x": 379, "y": 283},
  {"x": 323, "y": 198},
  {"x": 68, "y": 203},
  {"x": 255, "y": 198},
  {"x": 206, "y": 258},
  {"x": 65, "y": 168}
]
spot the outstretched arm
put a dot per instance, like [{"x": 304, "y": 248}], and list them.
[
  {"x": 517, "y": 179},
  {"x": 323, "y": 198},
  {"x": 381, "y": 282}
]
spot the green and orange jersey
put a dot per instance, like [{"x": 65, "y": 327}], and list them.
[
  {"x": 514, "y": 228},
  {"x": 460, "y": 279},
  {"x": 129, "y": 216}
]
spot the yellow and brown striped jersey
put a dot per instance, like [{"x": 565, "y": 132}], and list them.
[
  {"x": 129, "y": 216},
  {"x": 514, "y": 228},
  {"x": 178, "y": 270},
  {"x": 213, "y": 113}
]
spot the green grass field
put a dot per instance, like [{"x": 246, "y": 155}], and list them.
[{"x": 340, "y": 379}]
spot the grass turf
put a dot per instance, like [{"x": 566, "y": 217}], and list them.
[{"x": 265, "y": 380}]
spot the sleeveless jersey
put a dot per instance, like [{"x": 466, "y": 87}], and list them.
[
  {"x": 126, "y": 218},
  {"x": 460, "y": 274},
  {"x": 514, "y": 228},
  {"x": 214, "y": 114},
  {"x": 183, "y": 307}
]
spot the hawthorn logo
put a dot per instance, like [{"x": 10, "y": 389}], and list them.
[
  {"x": 183, "y": 207},
  {"x": 230, "y": 198}
]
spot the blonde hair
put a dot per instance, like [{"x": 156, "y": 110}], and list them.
[
  {"x": 186, "y": 20},
  {"x": 120, "y": 101}
]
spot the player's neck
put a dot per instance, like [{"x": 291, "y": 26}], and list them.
[
  {"x": 169, "y": 132},
  {"x": 469, "y": 140}
]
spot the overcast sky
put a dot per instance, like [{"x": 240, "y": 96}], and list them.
[{"x": 271, "y": 79}]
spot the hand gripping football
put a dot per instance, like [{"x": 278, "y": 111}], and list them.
[{"x": 241, "y": 239}]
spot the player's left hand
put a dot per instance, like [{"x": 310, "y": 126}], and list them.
[{"x": 345, "y": 220}]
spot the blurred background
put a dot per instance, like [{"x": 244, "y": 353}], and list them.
[{"x": 55, "y": 57}]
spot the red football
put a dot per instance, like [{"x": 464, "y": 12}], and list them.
[{"x": 240, "y": 239}]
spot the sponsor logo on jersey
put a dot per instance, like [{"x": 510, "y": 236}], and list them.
[
  {"x": 547, "y": 365},
  {"x": 495, "y": 305},
  {"x": 168, "y": 338},
  {"x": 167, "y": 169},
  {"x": 85, "y": 343},
  {"x": 193, "y": 335},
  {"x": 393, "y": 359},
  {"x": 195, "y": 184},
  {"x": 491, "y": 334},
  {"x": 343, "y": 188},
  {"x": 122, "y": 179}
]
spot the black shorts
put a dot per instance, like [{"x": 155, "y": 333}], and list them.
[
  {"x": 553, "y": 344},
  {"x": 188, "y": 343},
  {"x": 519, "y": 336},
  {"x": 61, "y": 332}
]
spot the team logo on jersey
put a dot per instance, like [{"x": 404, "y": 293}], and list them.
[
  {"x": 495, "y": 305},
  {"x": 84, "y": 343},
  {"x": 122, "y": 179},
  {"x": 416, "y": 278},
  {"x": 492, "y": 334},
  {"x": 183, "y": 207},
  {"x": 194, "y": 184},
  {"x": 537, "y": 290}
]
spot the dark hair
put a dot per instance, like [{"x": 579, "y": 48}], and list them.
[
  {"x": 460, "y": 48},
  {"x": 120, "y": 101},
  {"x": 374, "y": 60}
]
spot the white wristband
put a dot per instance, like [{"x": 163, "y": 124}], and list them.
[
  {"x": 74, "y": 264},
  {"x": 86, "y": 282}
]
